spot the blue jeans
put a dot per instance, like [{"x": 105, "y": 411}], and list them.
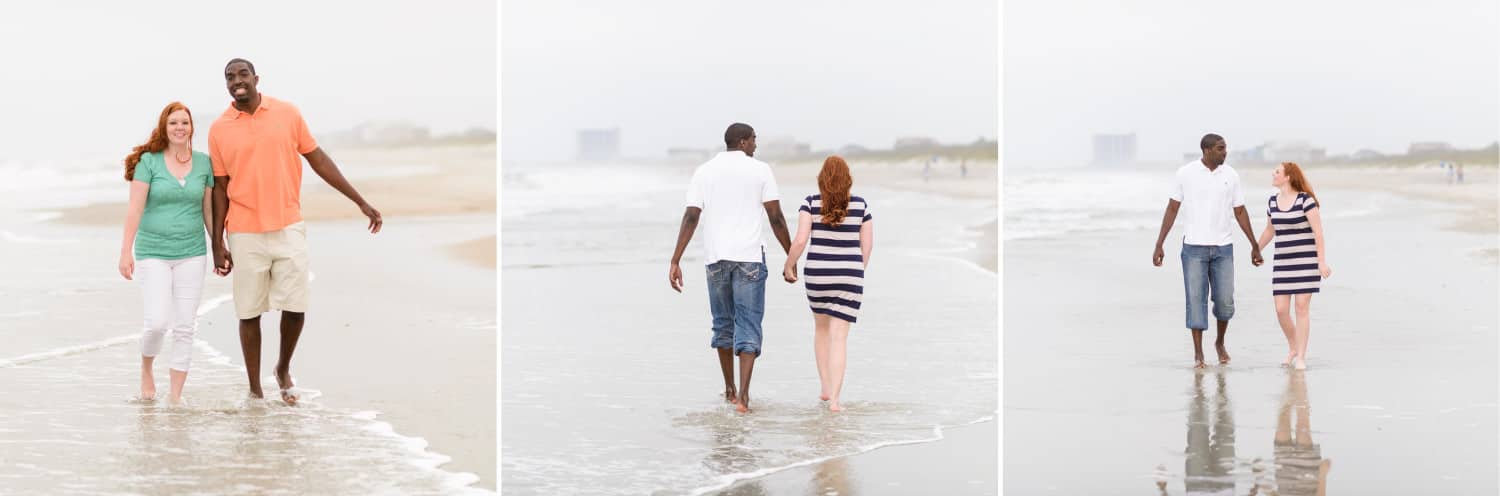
[
  {"x": 1208, "y": 271},
  {"x": 737, "y": 297}
]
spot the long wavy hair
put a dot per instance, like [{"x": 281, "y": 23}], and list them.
[
  {"x": 1293, "y": 173},
  {"x": 158, "y": 141},
  {"x": 834, "y": 183}
]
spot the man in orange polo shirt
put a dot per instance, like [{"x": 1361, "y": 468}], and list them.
[{"x": 257, "y": 147}]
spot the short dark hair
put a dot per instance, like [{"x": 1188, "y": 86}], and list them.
[
  {"x": 736, "y": 132},
  {"x": 232, "y": 61},
  {"x": 1209, "y": 140}
]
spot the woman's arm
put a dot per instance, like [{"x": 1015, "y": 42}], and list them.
[
  {"x": 793, "y": 254},
  {"x": 1267, "y": 233},
  {"x": 137, "y": 205},
  {"x": 1315, "y": 219},
  {"x": 866, "y": 240}
]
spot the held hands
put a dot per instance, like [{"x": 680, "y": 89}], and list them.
[
  {"x": 223, "y": 263},
  {"x": 1255, "y": 258},
  {"x": 789, "y": 272}
]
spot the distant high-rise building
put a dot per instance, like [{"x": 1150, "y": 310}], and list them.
[
  {"x": 1114, "y": 149},
  {"x": 598, "y": 144}
]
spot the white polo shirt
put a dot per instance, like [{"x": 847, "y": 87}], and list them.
[
  {"x": 1208, "y": 201},
  {"x": 732, "y": 189}
]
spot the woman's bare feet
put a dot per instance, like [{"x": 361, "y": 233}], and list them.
[
  {"x": 823, "y": 396},
  {"x": 148, "y": 385},
  {"x": 833, "y": 405},
  {"x": 1300, "y": 364},
  {"x": 1290, "y": 355}
]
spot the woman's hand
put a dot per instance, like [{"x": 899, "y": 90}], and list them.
[
  {"x": 1324, "y": 270},
  {"x": 127, "y": 266},
  {"x": 789, "y": 273}
]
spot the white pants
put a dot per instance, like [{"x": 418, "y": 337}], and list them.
[{"x": 172, "y": 289}]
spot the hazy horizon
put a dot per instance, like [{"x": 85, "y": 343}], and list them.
[
  {"x": 93, "y": 80},
  {"x": 1343, "y": 76},
  {"x": 675, "y": 75}
]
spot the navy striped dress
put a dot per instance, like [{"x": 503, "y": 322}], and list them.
[
  {"x": 835, "y": 271},
  {"x": 1295, "y": 269}
]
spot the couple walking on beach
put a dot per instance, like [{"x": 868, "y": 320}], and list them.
[
  {"x": 728, "y": 195},
  {"x": 246, "y": 191},
  {"x": 1207, "y": 193}
]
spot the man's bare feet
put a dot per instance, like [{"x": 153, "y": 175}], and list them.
[
  {"x": 1198, "y": 360},
  {"x": 1223, "y": 353},
  {"x": 284, "y": 380},
  {"x": 743, "y": 405},
  {"x": 730, "y": 396}
]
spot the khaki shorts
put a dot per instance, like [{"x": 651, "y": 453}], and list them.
[{"x": 270, "y": 271}]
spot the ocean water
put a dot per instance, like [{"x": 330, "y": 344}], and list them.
[
  {"x": 610, "y": 386},
  {"x": 70, "y": 368}
]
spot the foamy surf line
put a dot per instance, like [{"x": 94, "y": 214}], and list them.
[
  {"x": 424, "y": 458},
  {"x": 726, "y": 481}
]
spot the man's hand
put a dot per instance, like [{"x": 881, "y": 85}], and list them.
[
  {"x": 674, "y": 276},
  {"x": 223, "y": 263},
  {"x": 374, "y": 216},
  {"x": 1158, "y": 256},
  {"x": 1255, "y": 258}
]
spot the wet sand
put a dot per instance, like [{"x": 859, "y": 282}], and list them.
[
  {"x": 963, "y": 462},
  {"x": 1401, "y": 386}
]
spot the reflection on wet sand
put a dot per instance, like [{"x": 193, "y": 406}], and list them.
[
  {"x": 1210, "y": 438},
  {"x": 1301, "y": 469}
]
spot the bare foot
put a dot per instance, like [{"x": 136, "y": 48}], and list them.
[
  {"x": 822, "y": 396},
  {"x": 730, "y": 397},
  {"x": 177, "y": 402},
  {"x": 284, "y": 380},
  {"x": 1198, "y": 360},
  {"x": 1223, "y": 354},
  {"x": 148, "y": 386},
  {"x": 1288, "y": 361},
  {"x": 743, "y": 405},
  {"x": 1300, "y": 364},
  {"x": 833, "y": 406}
]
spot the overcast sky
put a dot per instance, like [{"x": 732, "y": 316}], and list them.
[
  {"x": 85, "y": 77},
  {"x": 677, "y": 72},
  {"x": 1343, "y": 75}
]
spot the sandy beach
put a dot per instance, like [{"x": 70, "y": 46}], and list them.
[
  {"x": 648, "y": 422},
  {"x": 387, "y": 338},
  {"x": 1384, "y": 398}
]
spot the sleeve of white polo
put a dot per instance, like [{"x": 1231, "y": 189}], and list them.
[
  {"x": 1238, "y": 192},
  {"x": 695, "y": 191},
  {"x": 768, "y": 191},
  {"x": 1176, "y": 187}
]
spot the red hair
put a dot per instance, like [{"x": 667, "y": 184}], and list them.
[
  {"x": 1298, "y": 180},
  {"x": 158, "y": 140},
  {"x": 834, "y": 183}
]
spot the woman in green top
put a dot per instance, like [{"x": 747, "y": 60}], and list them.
[{"x": 164, "y": 244}]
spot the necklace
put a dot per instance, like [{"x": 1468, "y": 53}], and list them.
[{"x": 181, "y": 159}]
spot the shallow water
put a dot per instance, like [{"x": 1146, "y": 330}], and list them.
[{"x": 611, "y": 387}]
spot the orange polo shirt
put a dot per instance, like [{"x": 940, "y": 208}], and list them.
[{"x": 262, "y": 155}]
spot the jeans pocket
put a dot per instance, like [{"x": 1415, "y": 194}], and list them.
[
  {"x": 753, "y": 272},
  {"x": 716, "y": 272}
]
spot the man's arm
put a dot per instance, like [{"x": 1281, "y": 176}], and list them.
[
  {"x": 684, "y": 235},
  {"x": 778, "y": 225},
  {"x": 1166, "y": 226},
  {"x": 323, "y": 165},
  {"x": 1243, "y": 218},
  {"x": 222, "y": 261}
]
